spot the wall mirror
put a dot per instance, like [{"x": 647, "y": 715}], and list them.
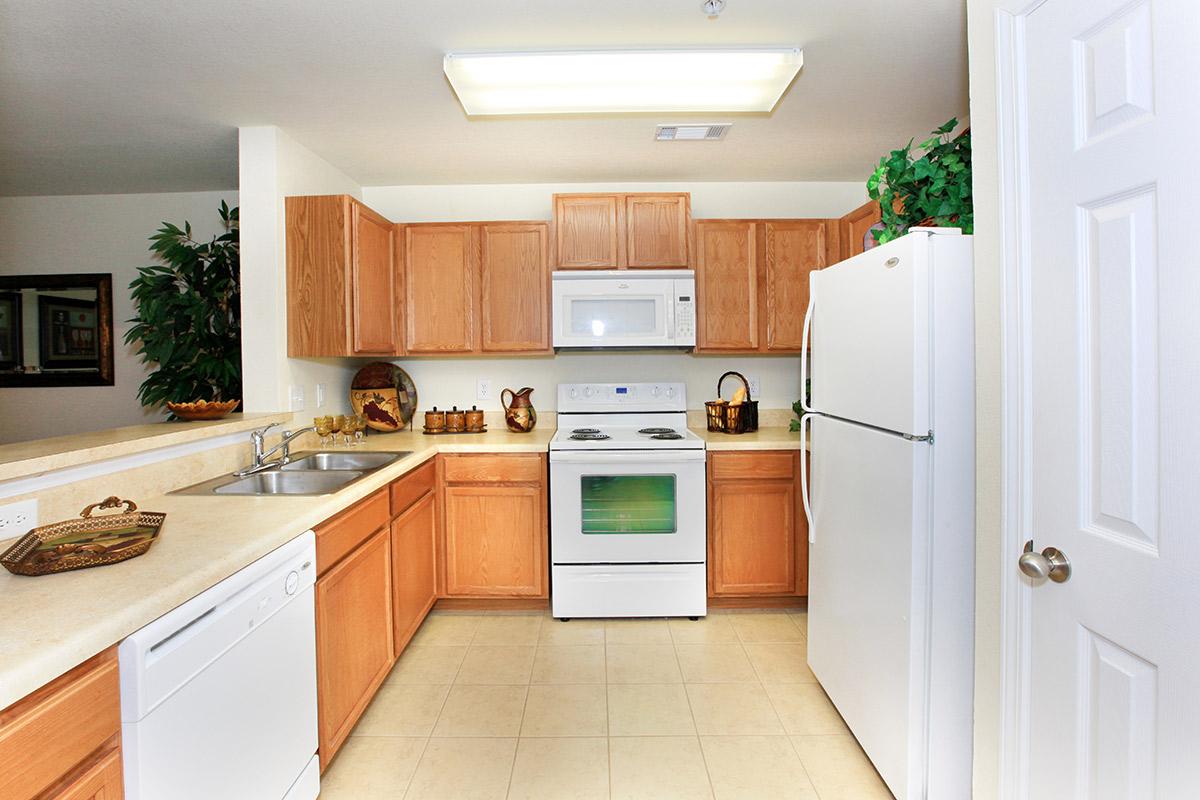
[{"x": 56, "y": 330}]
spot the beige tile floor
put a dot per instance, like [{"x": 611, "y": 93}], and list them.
[{"x": 524, "y": 706}]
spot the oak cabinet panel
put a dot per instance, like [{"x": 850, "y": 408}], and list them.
[
  {"x": 494, "y": 525},
  {"x": 587, "y": 231},
  {"x": 656, "y": 230},
  {"x": 373, "y": 284},
  {"x": 340, "y": 535},
  {"x": 854, "y": 227},
  {"x": 341, "y": 279},
  {"x": 441, "y": 263},
  {"x": 105, "y": 780},
  {"x": 354, "y": 639},
  {"x": 726, "y": 286},
  {"x": 64, "y": 728},
  {"x": 414, "y": 586},
  {"x": 495, "y": 543},
  {"x": 792, "y": 249},
  {"x": 515, "y": 287},
  {"x": 411, "y": 487},
  {"x": 758, "y": 543}
]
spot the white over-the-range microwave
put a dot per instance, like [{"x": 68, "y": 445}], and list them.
[{"x": 624, "y": 308}]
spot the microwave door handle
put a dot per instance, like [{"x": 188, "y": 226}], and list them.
[{"x": 669, "y": 313}]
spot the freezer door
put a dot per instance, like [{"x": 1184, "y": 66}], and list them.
[
  {"x": 870, "y": 337},
  {"x": 867, "y": 588}
]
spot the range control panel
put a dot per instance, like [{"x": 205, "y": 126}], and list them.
[{"x": 622, "y": 397}]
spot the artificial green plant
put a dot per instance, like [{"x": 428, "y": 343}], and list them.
[{"x": 189, "y": 315}]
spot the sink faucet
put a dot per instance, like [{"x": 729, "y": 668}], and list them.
[{"x": 259, "y": 456}]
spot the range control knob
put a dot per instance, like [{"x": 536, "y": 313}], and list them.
[
  {"x": 588, "y": 391},
  {"x": 292, "y": 581},
  {"x": 656, "y": 391},
  {"x": 670, "y": 391}
]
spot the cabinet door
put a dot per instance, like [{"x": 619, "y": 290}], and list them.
[
  {"x": 792, "y": 250},
  {"x": 726, "y": 286},
  {"x": 318, "y": 252},
  {"x": 440, "y": 267},
  {"x": 753, "y": 538},
  {"x": 413, "y": 585},
  {"x": 354, "y": 639},
  {"x": 854, "y": 227},
  {"x": 372, "y": 284},
  {"x": 515, "y": 279},
  {"x": 103, "y": 781},
  {"x": 587, "y": 231},
  {"x": 656, "y": 230},
  {"x": 495, "y": 541}
]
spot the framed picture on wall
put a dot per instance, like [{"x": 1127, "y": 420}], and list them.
[
  {"x": 10, "y": 330},
  {"x": 69, "y": 333}
]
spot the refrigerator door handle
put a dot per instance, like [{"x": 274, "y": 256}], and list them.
[
  {"x": 812, "y": 300},
  {"x": 812, "y": 531}
]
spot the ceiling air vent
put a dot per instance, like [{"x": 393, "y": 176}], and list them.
[{"x": 692, "y": 133}]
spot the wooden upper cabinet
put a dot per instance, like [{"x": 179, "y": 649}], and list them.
[
  {"x": 587, "y": 231},
  {"x": 656, "y": 230},
  {"x": 638, "y": 230},
  {"x": 791, "y": 250},
  {"x": 515, "y": 287},
  {"x": 341, "y": 279},
  {"x": 441, "y": 264},
  {"x": 373, "y": 283},
  {"x": 726, "y": 285},
  {"x": 854, "y": 227}
]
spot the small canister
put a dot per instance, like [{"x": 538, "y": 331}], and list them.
[
  {"x": 474, "y": 420},
  {"x": 435, "y": 421},
  {"x": 456, "y": 421}
]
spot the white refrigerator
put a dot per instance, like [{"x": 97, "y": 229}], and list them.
[{"x": 890, "y": 500}]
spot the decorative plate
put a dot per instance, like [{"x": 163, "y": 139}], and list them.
[{"x": 385, "y": 395}]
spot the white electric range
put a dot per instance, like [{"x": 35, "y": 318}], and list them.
[{"x": 628, "y": 516}]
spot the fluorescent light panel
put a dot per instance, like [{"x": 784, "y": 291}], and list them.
[{"x": 629, "y": 81}]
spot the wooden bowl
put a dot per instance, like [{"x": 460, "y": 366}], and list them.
[{"x": 202, "y": 409}]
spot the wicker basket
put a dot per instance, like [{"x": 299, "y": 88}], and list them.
[
  {"x": 85, "y": 542},
  {"x": 724, "y": 417}
]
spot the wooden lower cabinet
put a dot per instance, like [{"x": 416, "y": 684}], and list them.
[
  {"x": 63, "y": 740},
  {"x": 414, "y": 582},
  {"x": 757, "y": 539},
  {"x": 494, "y": 528},
  {"x": 354, "y": 638}
]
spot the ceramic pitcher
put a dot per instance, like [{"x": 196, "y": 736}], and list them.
[{"x": 519, "y": 413}]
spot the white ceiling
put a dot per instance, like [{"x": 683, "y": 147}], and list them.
[{"x": 147, "y": 95}]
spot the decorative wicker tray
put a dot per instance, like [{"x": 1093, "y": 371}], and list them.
[{"x": 85, "y": 542}]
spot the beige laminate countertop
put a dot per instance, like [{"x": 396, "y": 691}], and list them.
[
  {"x": 773, "y": 438},
  {"x": 54, "y": 622}
]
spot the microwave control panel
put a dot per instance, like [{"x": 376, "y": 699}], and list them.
[{"x": 685, "y": 310}]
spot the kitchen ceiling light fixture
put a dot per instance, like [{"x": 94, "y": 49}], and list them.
[
  {"x": 713, "y": 8},
  {"x": 622, "y": 81}
]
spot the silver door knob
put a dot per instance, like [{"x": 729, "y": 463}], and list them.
[{"x": 1051, "y": 563}]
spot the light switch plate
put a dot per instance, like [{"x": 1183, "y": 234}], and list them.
[
  {"x": 320, "y": 395},
  {"x": 483, "y": 389},
  {"x": 296, "y": 398},
  {"x": 17, "y": 518},
  {"x": 755, "y": 387}
]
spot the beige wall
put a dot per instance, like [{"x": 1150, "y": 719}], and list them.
[
  {"x": 989, "y": 558},
  {"x": 91, "y": 233},
  {"x": 272, "y": 166}
]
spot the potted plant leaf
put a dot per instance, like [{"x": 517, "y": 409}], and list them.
[
  {"x": 930, "y": 187},
  {"x": 189, "y": 321}
]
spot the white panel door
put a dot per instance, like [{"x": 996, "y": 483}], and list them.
[
  {"x": 1107, "y": 95},
  {"x": 870, "y": 336},
  {"x": 868, "y": 579}
]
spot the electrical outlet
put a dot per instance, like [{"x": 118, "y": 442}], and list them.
[
  {"x": 755, "y": 387},
  {"x": 17, "y": 518},
  {"x": 320, "y": 395},
  {"x": 296, "y": 396},
  {"x": 483, "y": 389}
]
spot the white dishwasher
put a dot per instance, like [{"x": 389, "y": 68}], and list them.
[{"x": 219, "y": 696}]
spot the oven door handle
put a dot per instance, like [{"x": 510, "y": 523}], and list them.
[{"x": 626, "y": 457}]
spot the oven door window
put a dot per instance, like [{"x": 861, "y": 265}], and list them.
[{"x": 629, "y": 504}]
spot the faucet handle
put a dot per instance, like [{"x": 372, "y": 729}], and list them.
[{"x": 263, "y": 430}]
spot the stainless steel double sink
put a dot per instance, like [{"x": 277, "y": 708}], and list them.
[{"x": 307, "y": 473}]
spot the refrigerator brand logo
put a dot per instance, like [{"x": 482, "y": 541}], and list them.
[{"x": 891, "y": 262}]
